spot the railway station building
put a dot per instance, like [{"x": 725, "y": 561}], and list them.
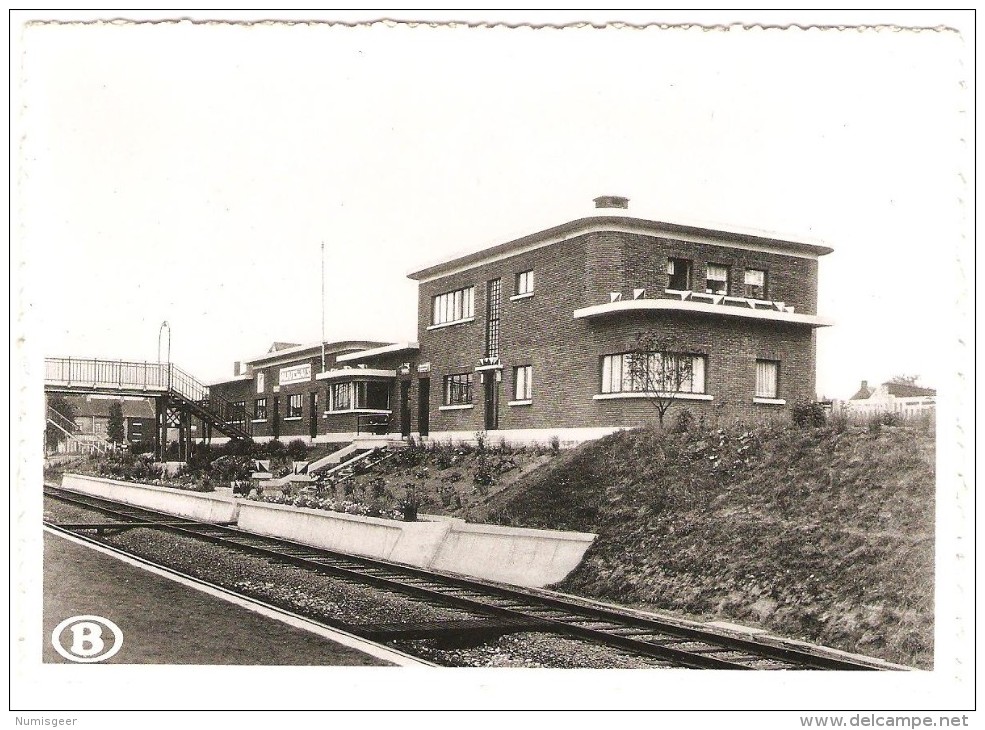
[{"x": 532, "y": 339}]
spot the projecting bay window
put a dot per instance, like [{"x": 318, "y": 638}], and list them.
[
  {"x": 295, "y": 406},
  {"x": 260, "y": 409},
  {"x": 767, "y": 379},
  {"x": 679, "y": 274},
  {"x": 755, "y": 284},
  {"x": 359, "y": 395},
  {"x": 454, "y": 306},
  {"x": 717, "y": 280},
  {"x": 458, "y": 390},
  {"x": 655, "y": 372}
]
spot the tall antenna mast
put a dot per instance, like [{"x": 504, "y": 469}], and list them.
[{"x": 323, "y": 306}]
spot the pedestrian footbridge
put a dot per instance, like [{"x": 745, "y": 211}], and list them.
[{"x": 178, "y": 396}]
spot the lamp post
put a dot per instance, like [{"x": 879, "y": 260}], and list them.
[{"x": 163, "y": 407}]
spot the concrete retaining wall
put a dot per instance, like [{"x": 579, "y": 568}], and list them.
[
  {"x": 520, "y": 556},
  {"x": 194, "y": 505},
  {"x": 525, "y": 557}
]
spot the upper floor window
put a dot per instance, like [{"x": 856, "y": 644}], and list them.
[
  {"x": 260, "y": 408},
  {"x": 717, "y": 279},
  {"x": 453, "y": 306},
  {"x": 523, "y": 382},
  {"x": 767, "y": 375},
  {"x": 260, "y": 383},
  {"x": 458, "y": 389},
  {"x": 525, "y": 283},
  {"x": 755, "y": 283},
  {"x": 679, "y": 273},
  {"x": 654, "y": 372},
  {"x": 295, "y": 405}
]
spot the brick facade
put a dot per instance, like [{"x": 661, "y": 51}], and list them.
[{"x": 559, "y": 331}]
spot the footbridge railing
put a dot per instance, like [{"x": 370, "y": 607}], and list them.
[{"x": 135, "y": 378}]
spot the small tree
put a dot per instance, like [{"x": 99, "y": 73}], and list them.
[
  {"x": 114, "y": 430},
  {"x": 64, "y": 416},
  {"x": 660, "y": 370},
  {"x": 904, "y": 379}
]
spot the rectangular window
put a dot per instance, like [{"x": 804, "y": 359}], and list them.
[
  {"x": 493, "y": 291},
  {"x": 295, "y": 406},
  {"x": 341, "y": 397},
  {"x": 679, "y": 274},
  {"x": 755, "y": 283},
  {"x": 523, "y": 382},
  {"x": 239, "y": 411},
  {"x": 525, "y": 282},
  {"x": 663, "y": 372},
  {"x": 260, "y": 408},
  {"x": 767, "y": 372},
  {"x": 458, "y": 389},
  {"x": 717, "y": 280},
  {"x": 260, "y": 383},
  {"x": 453, "y": 306}
]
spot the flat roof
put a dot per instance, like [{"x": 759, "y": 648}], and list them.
[
  {"x": 755, "y": 240},
  {"x": 330, "y": 347}
]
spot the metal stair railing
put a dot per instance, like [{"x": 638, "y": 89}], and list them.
[{"x": 224, "y": 412}]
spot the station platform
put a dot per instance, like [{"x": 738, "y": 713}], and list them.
[{"x": 166, "y": 621}]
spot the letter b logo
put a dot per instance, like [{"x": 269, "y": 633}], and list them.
[{"x": 86, "y": 637}]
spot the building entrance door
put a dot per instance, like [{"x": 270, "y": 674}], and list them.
[
  {"x": 492, "y": 401},
  {"x": 423, "y": 405},
  {"x": 314, "y": 415},
  {"x": 275, "y": 430},
  {"x": 405, "y": 408}
]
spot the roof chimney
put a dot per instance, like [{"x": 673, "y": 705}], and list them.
[
  {"x": 865, "y": 384},
  {"x": 611, "y": 201},
  {"x": 236, "y": 366}
]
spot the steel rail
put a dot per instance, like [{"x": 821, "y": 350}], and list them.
[{"x": 526, "y": 609}]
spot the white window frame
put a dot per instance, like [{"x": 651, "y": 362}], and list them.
[
  {"x": 617, "y": 376},
  {"x": 708, "y": 278},
  {"x": 523, "y": 383},
  {"x": 767, "y": 379},
  {"x": 525, "y": 283},
  {"x": 761, "y": 284},
  {"x": 261, "y": 382},
  {"x": 453, "y": 307},
  {"x": 446, "y": 389},
  {"x": 291, "y": 408}
]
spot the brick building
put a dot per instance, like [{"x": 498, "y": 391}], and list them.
[{"x": 533, "y": 338}]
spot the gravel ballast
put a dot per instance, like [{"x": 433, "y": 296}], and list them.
[{"x": 337, "y": 601}]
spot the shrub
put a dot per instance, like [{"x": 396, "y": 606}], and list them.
[
  {"x": 297, "y": 449},
  {"x": 275, "y": 447},
  {"x": 684, "y": 421},
  {"x": 809, "y": 414},
  {"x": 480, "y": 440},
  {"x": 555, "y": 444}
]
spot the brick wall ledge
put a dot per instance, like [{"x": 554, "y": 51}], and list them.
[
  {"x": 770, "y": 401},
  {"x": 676, "y": 396},
  {"x": 450, "y": 324},
  {"x": 652, "y": 305},
  {"x": 462, "y": 407}
]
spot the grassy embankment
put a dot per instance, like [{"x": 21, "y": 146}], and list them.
[{"x": 825, "y": 534}]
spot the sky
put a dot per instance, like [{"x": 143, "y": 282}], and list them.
[{"x": 190, "y": 173}]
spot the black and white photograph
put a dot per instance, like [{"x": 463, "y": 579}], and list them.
[{"x": 478, "y": 360}]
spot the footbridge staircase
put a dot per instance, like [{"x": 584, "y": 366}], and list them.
[{"x": 179, "y": 398}]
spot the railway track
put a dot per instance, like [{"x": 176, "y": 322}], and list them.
[{"x": 495, "y": 609}]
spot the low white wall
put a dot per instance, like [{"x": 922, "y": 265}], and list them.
[
  {"x": 521, "y": 556},
  {"x": 516, "y": 555},
  {"x": 179, "y": 502},
  {"x": 567, "y": 437}
]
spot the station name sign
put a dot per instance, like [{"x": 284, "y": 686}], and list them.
[{"x": 295, "y": 374}]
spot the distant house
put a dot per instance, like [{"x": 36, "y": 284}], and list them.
[
  {"x": 92, "y": 418},
  {"x": 903, "y": 398}
]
